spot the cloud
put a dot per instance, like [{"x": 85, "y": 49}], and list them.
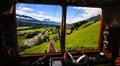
[
  {"x": 20, "y": 6},
  {"x": 77, "y": 19},
  {"x": 39, "y": 15},
  {"x": 23, "y": 18},
  {"x": 87, "y": 13},
  {"x": 26, "y": 9},
  {"x": 40, "y": 12},
  {"x": 90, "y": 12},
  {"x": 55, "y": 19},
  {"x": 20, "y": 12},
  {"x": 22, "y": 9}
]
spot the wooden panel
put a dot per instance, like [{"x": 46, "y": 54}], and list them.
[
  {"x": 89, "y": 3},
  {"x": 117, "y": 61}
]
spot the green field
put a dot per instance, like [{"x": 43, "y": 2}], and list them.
[
  {"x": 26, "y": 27},
  {"x": 40, "y": 48},
  {"x": 30, "y": 30},
  {"x": 86, "y": 37},
  {"x": 41, "y": 43},
  {"x": 21, "y": 38}
]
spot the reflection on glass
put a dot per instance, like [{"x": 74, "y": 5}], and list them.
[
  {"x": 38, "y": 28},
  {"x": 83, "y": 28}
]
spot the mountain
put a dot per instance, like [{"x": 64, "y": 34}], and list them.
[
  {"x": 28, "y": 19},
  {"x": 47, "y": 21},
  {"x": 94, "y": 17},
  {"x": 23, "y": 18}
]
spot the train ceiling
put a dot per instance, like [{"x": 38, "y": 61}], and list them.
[
  {"x": 90, "y": 3},
  {"x": 6, "y": 4}
]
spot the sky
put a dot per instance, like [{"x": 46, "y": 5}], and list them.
[{"x": 54, "y": 12}]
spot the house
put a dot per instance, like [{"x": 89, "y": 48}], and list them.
[{"x": 68, "y": 32}]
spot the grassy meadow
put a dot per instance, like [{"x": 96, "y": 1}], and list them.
[{"x": 84, "y": 38}]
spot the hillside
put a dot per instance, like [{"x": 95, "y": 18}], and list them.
[
  {"x": 40, "y": 48},
  {"x": 84, "y": 38}
]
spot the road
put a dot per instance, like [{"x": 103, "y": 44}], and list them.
[
  {"x": 51, "y": 48},
  {"x": 31, "y": 41}
]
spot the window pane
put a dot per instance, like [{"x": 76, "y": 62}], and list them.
[
  {"x": 38, "y": 28},
  {"x": 83, "y": 28}
]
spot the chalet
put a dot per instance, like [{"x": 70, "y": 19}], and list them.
[{"x": 68, "y": 32}]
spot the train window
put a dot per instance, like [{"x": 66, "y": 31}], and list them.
[
  {"x": 83, "y": 27},
  {"x": 38, "y": 28}
]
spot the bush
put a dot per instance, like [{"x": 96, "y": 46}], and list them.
[
  {"x": 46, "y": 38},
  {"x": 31, "y": 35},
  {"x": 40, "y": 41},
  {"x": 55, "y": 38},
  {"x": 23, "y": 47}
]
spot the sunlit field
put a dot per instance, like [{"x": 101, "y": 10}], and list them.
[
  {"x": 84, "y": 38},
  {"x": 39, "y": 28}
]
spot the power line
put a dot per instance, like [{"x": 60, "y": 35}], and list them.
[
  {"x": 54, "y": 11},
  {"x": 75, "y": 15}
]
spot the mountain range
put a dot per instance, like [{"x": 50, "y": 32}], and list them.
[
  {"x": 94, "y": 17},
  {"x": 28, "y": 19}
]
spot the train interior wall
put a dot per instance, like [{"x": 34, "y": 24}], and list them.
[{"x": 111, "y": 17}]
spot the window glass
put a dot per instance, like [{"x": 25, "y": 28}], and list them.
[
  {"x": 38, "y": 28},
  {"x": 82, "y": 28}
]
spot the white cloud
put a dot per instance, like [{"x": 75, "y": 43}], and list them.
[
  {"x": 22, "y": 9},
  {"x": 26, "y": 9},
  {"x": 55, "y": 19},
  {"x": 40, "y": 12},
  {"x": 17, "y": 17},
  {"x": 40, "y": 15},
  {"x": 21, "y": 12},
  {"x": 21, "y": 5},
  {"x": 75, "y": 20},
  {"x": 23, "y": 18},
  {"x": 78, "y": 8},
  {"x": 88, "y": 12}
]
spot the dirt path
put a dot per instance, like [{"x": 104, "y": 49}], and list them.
[{"x": 51, "y": 48}]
